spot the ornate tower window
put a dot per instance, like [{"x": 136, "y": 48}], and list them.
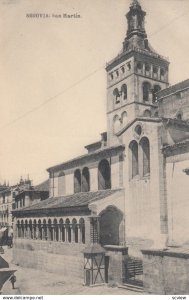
[
  {"x": 116, "y": 96},
  {"x": 124, "y": 92},
  {"x": 146, "y": 91}
]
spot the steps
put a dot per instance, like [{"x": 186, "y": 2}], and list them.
[{"x": 132, "y": 287}]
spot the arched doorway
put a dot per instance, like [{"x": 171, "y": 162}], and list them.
[{"x": 111, "y": 226}]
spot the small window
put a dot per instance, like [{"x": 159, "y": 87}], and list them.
[
  {"x": 138, "y": 130},
  {"x": 117, "y": 73},
  {"x": 147, "y": 68},
  {"x": 128, "y": 66},
  {"x": 111, "y": 76},
  {"x": 123, "y": 70},
  {"x": 179, "y": 116},
  {"x": 147, "y": 113}
]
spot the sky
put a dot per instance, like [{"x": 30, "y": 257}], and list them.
[{"x": 61, "y": 62}]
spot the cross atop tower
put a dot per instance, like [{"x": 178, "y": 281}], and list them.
[{"x": 135, "y": 3}]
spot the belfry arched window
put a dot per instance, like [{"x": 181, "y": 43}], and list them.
[
  {"x": 156, "y": 89},
  {"x": 104, "y": 175},
  {"x": 134, "y": 170},
  {"x": 124, "y": 92},
  {"x": 85, "y": 180},
  {"x": 145, "y": 147},
  {"x": 77, "y": 181},
  {"x": 146, "y": 91},
  {"x": 116, "y": 96}
]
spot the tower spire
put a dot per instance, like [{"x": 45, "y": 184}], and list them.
[{"x": 136, "y": 34}]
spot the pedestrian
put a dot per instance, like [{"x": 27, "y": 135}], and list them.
[{"x": 12, "y": 280}]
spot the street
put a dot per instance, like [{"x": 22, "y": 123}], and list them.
[{"x": 37, "y": 282}]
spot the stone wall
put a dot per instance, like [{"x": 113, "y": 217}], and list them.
[
  {"x": 64, "y": 258},
  {"x": 115, "y": 263},
  {"x": 166, "y": 272}
]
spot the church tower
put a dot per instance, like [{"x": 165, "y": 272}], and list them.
[{"x": 134, "y": 77}]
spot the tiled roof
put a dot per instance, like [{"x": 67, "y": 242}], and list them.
[
  {"x": 79, "y": 159},
  {"x": 173, "y": 89},
  {"x": 180, "y": 144},
  {"x": 75, "y": 200},
  {"x": 44, "y": 186}
]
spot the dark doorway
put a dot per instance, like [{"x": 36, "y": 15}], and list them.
[{"x": 110, "y": 226}]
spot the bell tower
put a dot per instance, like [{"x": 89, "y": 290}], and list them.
[{"x": 134, "y": 77}]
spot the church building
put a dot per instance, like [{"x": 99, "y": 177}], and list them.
[{"x": 123, "y": 194}]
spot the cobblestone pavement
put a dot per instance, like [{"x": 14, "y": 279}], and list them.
[{"x": 37, "y": 282}]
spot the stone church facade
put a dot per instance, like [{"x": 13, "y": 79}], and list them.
[{"x": 124, "y": 192}]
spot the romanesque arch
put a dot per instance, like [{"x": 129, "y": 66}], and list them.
[
  {"x": 104, "y": 175},
  {"x": 85, "y": 180},
  {"x": 111, "y": 226},
  {"x": 77, "y": 181}
]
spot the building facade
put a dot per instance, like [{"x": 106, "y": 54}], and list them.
[{"x": 123, "y": 192}]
